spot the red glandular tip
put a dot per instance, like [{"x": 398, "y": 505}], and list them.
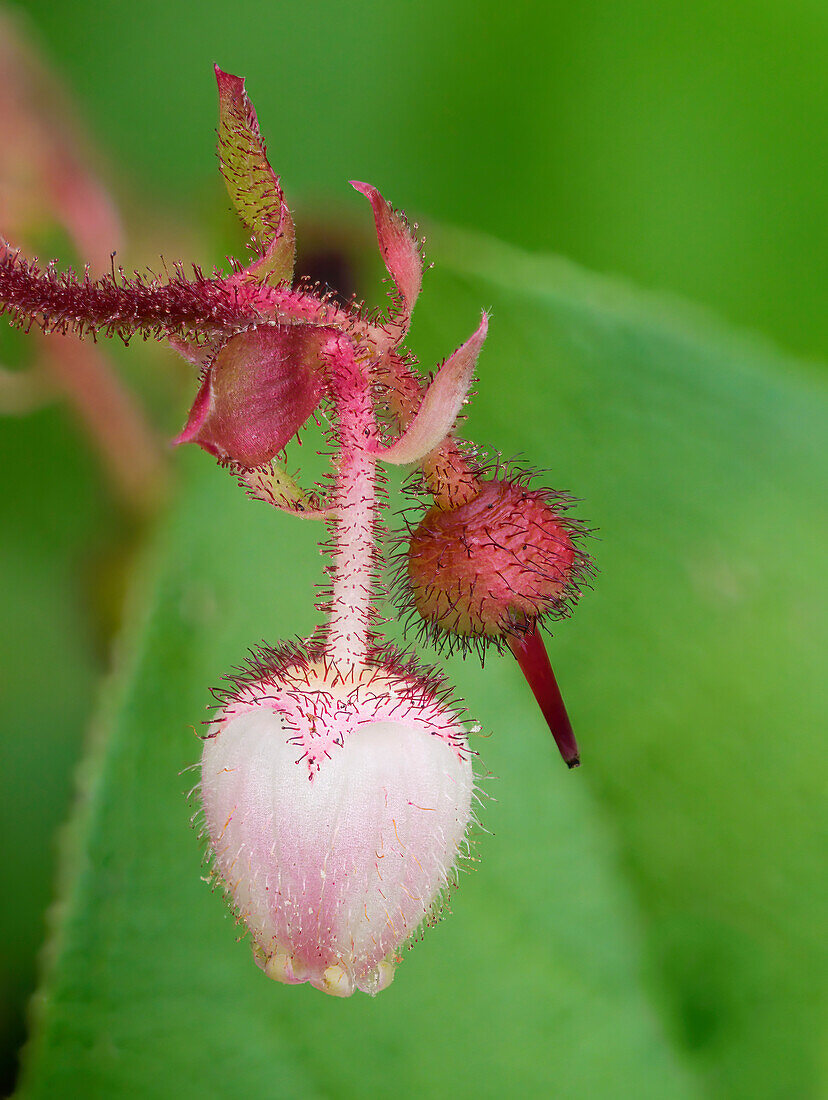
[{"x": 531, "y": 655}]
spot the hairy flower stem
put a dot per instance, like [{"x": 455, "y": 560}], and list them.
[
  {"x": 120, "y": 305},
  {"x": 349, "y": 635}
]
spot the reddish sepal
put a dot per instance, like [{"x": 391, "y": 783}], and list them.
[
  {"x": 400, "y": 250},
  {"x": 531, "y": 655},
  {"x": 259, "y": 391}
]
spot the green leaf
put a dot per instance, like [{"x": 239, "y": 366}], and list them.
[
  {"x": 52, "y": 559},
  {"x": 647, "y": 926}
]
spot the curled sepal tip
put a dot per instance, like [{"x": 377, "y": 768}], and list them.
[
  {"x": 441, "y": 404},
  {"x": 400, "y": 250},
  {"x": 252, "y": 184},
  {"x": 531, "y": 655}
]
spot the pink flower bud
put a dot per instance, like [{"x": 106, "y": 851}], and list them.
[
  {"x": 488, "y": 569},
  {"x": 258, "y": 392},
  {"x": 336, "y": 810}
]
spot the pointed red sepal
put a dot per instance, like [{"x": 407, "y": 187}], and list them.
[
  {"x": 441, "y": 404},
  {"x": 253, "y": 186},
  {"x": 531, "y": 655},
  {"x": 400, "y": 250}
]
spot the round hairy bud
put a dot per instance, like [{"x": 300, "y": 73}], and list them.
[
  {"x": 488, "y": 569},
  {"x": 336, "y": 810}
]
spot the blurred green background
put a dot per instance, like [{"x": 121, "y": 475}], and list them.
[
  {"x": 679, "y": 143},
  {"x": 679, "y": 146}
]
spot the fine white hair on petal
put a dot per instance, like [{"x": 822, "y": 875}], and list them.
[{"x": 333, "y": 868}]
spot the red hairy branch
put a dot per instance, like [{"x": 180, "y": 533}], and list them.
[{"x": 116, "y": 305}]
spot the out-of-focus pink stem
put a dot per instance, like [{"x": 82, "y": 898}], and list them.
[
  {"x": 130, "y": 453},
  {"x": 46, "y": 154},
  {"x": 532, "y": 657}
]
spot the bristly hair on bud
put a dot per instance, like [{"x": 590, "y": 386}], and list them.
[
  {"x": 489, "y": 569},
  {"x": 337, "y": 805}
]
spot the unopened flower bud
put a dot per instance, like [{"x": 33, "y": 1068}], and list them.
[
  {"x": 258, "y": 392},
  {"x": 490, "y": 568},
  {"x": 336, "y": 810}
]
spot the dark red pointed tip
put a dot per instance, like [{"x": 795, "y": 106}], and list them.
[
  {"x": 531, "y": 656},
  {"x": 228, "y": 82}
]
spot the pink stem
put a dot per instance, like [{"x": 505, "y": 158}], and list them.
[
  {"x": 130, "y": 453},
  {"x": 532, "y": 657},
  {"x": 349, "y": 634}
]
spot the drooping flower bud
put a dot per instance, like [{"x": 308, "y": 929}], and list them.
[
  {"x": 336, "y": 810},
  {"x": 488, "y": 569},
  {"x": 258, "y": 392}
]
